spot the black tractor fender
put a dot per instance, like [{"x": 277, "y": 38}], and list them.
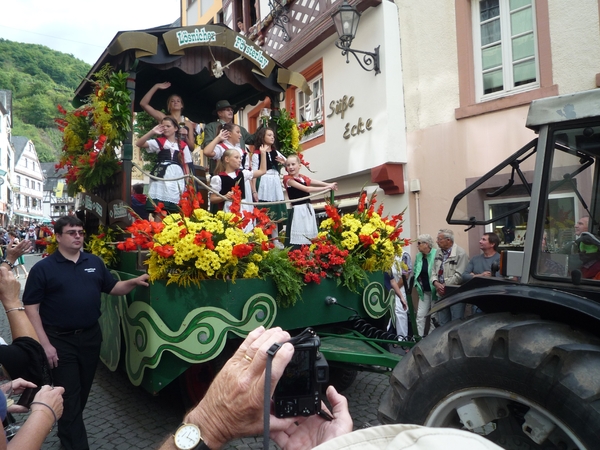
[{"x": 577, "y": 307}]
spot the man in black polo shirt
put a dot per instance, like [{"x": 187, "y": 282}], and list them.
[{"x": 62, "y": 301}]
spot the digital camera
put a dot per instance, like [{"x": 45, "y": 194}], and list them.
[{"x": 298, "y": 392}]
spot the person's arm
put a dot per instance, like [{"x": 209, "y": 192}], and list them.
[
  {"x": 209, "y": 149},
  {"x": 310, "y": 189},
  {"x": 254, "y": 166},
  {"x": 143, "y": 141},
  {"x": 33, "y": 314},
  {"x": 13, "y": 253},
  {"x": 233, "y": 405},
  {"x": 46, "y": 408},
  {"x": 10, "y": 289},
  {"x": 263, "y": 162},
  {"x": 396, "y": 286},
  {"x": 126, "y": 286},
  {"x": 331, "y": 186},
  {"x": 215, "y": 183},
  {"x": 468, "y": 273},
  {"x": 145, "y": 101},
  {"x": 461, "y": 264},
  {"x": 186, "y": 134}
]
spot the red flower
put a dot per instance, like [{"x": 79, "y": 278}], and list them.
[
  {"x": 241, "y": 250},
  {"x": 362, "y": 201},
  {"x": 204, "y": 238},
  {"x": 166, "y": 251},
  {"x": 159, "y": 208}
]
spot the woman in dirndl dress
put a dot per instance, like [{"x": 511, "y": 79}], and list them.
[
  {"x": 268, "y": 187},
  {"x": 173, "y": 159},
  {"x": 302, "y": 227}
]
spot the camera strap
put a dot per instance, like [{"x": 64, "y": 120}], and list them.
[{"x": 306, "y": 334}]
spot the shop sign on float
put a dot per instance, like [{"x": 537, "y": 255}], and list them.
[{"x": 340, "y": 107}]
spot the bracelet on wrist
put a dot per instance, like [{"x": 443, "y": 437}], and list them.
[
  {"x": 8, "y": 263},
  {"x": 20, "y": 308},
  {"x": 47, "y": 406}
]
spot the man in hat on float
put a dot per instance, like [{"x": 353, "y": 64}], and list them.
[{"x": 224, "y": 111}]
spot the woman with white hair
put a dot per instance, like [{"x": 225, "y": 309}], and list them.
[{"x": 422, "y": 273}]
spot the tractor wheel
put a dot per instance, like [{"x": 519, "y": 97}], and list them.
[{"x": 521, "y": 381}]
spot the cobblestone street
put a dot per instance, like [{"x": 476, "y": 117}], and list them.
[{"x": 120, "y": 416}]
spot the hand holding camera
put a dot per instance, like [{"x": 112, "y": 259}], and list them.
[{"x": 233, "y": 405}]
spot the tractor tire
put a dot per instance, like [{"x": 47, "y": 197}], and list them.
[
  {"x": 341, "y": 378},
  {"x": 521, "y": 381}
]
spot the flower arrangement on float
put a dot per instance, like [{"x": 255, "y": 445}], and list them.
[
  {"x": 94, "y": 132},
  {"x": 102, "y": 245},
  {"x": 350, "y": 245},
  {"x": 289, "y": 134},
  {"x": 196, "y": 245}
]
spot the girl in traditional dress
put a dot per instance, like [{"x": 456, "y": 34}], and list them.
[
  {"x": 302, "y": 225},
  {"x": 229, "y": 136},
  {"x": 175, "y": 110},
  {"x": 269, "y": 185},
  {"x": 230, "y": 174},
  {"x": 173, "y": 159}
]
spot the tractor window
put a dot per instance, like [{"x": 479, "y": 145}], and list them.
[{"x": 570, "y": 247}]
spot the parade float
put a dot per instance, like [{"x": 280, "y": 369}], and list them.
[{"x": 210, "y": 282}]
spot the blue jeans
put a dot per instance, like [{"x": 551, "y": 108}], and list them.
[{"x": 454, "y": 312}]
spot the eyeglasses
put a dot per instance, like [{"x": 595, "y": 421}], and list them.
[
  {"x": 420, "y": 242},
  {"x": 74, "y": 233}
]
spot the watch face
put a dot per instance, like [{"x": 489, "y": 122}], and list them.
[{"x": 187, "y": 437}]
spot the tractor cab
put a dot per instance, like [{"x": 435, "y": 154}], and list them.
[{"x": 543, "y": 200}]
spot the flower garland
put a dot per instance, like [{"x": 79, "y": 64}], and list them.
[{"x": 94, "y": 132}]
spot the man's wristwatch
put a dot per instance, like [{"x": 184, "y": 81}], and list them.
[{"x": 189, "y": 437}]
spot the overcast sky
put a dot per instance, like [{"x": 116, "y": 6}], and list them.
[{"x": 83, "y": 28}]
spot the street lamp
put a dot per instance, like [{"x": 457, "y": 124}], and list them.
[{"x": 346, "y": 20}]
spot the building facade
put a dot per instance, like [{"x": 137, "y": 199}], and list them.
[
  {"x": 363, "y": 142},
  {"x": 7, "y": 158},
  {"x": 449, "y": 104},
  {"x": 28, "y": 183},
  {"x": 471, "y": 69},
  {"x": 56, "y": 201}
]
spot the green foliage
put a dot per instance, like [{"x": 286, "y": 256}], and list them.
[
  {"x": 40, "y": 79},
  {"x": 353, "y": 276},
  {"x": 277, "y": 266}
]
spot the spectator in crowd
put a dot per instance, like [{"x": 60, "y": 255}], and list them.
[
  {"x": 397, "y": 279},
  {"x": 449, "y": 265},
  {"x": 62, "y": 301},
  {"x": 424, "y": 263},
  {"x": 19, "y": 264},
  {"x": 233, "y": 408},
  {"x": 24, "y": 358},
  {"x": 481, "y": 265},
  {"x": 241, "y": 27}
]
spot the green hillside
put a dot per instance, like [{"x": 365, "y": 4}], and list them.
[{"x": 40, "y": 79}]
